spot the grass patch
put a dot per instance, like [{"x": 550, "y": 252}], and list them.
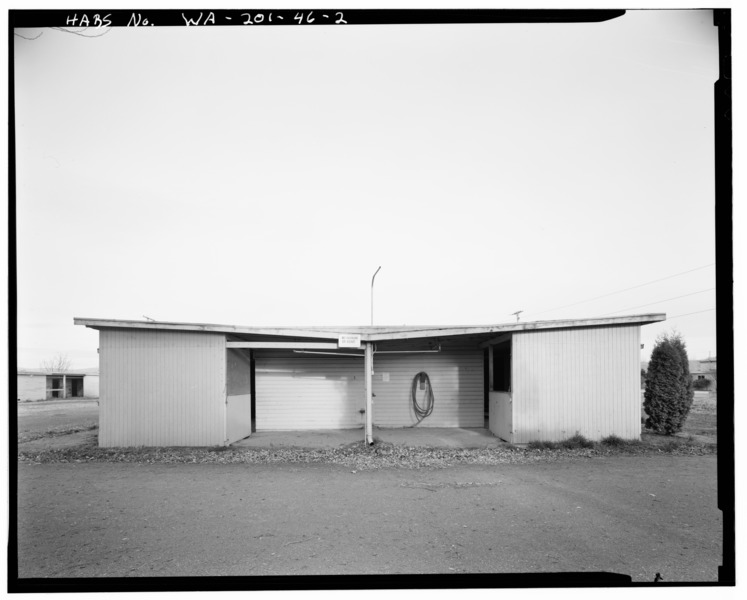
[
  {"x": 618, "y": 443},
  {"x": 575, "y": 442},
  {"x": 541, "y": 445},
  {"x": 55, "y": 432},
  {"x": 613, "y": 444}
]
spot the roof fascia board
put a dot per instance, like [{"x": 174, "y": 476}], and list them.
[
  {"x": 208, "y": 328},
  {"x": 55, "y": 374},
  {"x": 392, "y": 333},
  {"x": 518, "y": 327}
]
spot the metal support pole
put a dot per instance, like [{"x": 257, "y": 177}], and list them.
[
  {"x": 64, "y": 387},
  {"x": 372, "y": 284},
  {"x": 368, "y": 383}
]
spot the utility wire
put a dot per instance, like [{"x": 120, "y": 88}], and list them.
[
  {"x": 697, "y": 312},
  {"x": 657, "y": 302},
  {"x": 624, "y": 290}
]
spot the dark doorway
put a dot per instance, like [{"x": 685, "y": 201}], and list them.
[{"x": 76, "y": 388}]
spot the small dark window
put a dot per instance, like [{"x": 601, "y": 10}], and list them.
[{"x": 502, "y": 367}]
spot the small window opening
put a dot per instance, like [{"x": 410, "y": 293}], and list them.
[{"x": 502, "y": 367}]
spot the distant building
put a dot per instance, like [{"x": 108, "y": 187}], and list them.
[
  {"x": 36, "y": 384},
  {"x": 699, "y": 370},
  {"x": 704, "y": 370}
]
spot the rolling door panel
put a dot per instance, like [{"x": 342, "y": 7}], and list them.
[{"x": 305, "y": 391}]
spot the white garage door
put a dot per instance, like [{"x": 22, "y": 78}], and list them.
[{"x": 308, "y": 391}]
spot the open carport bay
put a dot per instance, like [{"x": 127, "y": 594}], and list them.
[{"x": 631, "y": 515}]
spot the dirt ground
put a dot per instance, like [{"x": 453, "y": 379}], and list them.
[
  {"x": 54, "y": 416},
  {"x": 700, "y": 425},
  {"x": 630, "y": 515}
]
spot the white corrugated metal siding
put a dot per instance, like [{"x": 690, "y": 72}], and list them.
[
  {"x": 32, "y": 387},
  {"x": 307, "y": 391},
  {"x": 569, "y": 380},
  {"x": 162, "y": 388},
  {"x": 457, "y": 380}
]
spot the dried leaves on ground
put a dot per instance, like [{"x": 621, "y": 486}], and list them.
[{"x": 357, "y": 456}]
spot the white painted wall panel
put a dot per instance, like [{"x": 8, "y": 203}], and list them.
[
  {"x": 32, "y": 387},
  {"x": 308, "y": 391},
  {"x": 91, "y": 386},
  {"x": 501, "y": 415},
  {"x": 239, "y": 399},
  {"x": 576, "y": 380},
  {"x": 457, "y": 380},
  {"x": 239, "y": 417},
  {"x": 162, "y": 388}
]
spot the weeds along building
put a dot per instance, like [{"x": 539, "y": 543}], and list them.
[{"x": 188, "y": 384}]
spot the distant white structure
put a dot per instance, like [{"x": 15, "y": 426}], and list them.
[
  {"x": 704, "y": 369},
  {"x": 91, "y": 382},
  {"x": 36, "y": 385}
]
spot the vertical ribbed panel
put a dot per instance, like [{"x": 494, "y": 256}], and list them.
[
  {"x": 457, "y": 380},
  {"x": 576, "y": 380},
  {"x": 161, "y": 388},
  {"x": 307, "y": 391},
  {"x": 32, "y": 387}
]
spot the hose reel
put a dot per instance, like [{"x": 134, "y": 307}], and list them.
[{"x": 422, "y": 381}]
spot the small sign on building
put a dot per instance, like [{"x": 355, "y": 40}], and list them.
[{"x": 349, "y": 341}]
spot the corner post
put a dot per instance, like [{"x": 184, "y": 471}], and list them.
[
  {"x": 490, "y": 368},
  {"x": 368, "y": 382}
]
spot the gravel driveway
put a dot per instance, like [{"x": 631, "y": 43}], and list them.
[{"x": 636, "y": 515}]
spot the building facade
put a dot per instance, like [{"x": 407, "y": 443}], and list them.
[{"x": 183, "y": 384}]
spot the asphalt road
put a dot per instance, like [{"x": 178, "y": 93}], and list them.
[{"x": 630, "y": 515}]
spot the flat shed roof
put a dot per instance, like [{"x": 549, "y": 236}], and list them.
[
  {"x": 373, "y": 333},
  {"x": 49, "y": 373}
]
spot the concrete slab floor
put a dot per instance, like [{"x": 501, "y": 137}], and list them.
[{"x": 430, "y": 437}]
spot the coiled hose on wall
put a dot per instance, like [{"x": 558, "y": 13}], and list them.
[{"x": 422, "y": 411}]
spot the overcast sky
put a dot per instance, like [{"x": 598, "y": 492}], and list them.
[{"x": 259, "y": 176}]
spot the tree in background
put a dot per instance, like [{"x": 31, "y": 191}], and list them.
[
  {"x": 58, "y": 364},
  {"x": 669, "y": 386}
]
